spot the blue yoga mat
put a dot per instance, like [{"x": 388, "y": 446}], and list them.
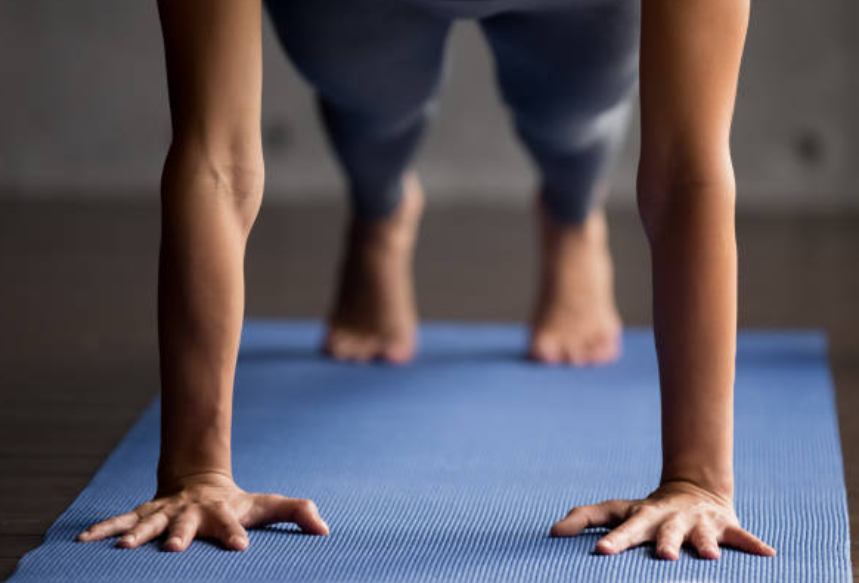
[{"x": 455, "y": 467}]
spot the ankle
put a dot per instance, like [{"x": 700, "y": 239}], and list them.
[{"x": 398, "y": 228}]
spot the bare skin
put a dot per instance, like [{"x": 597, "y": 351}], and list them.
[
  {"x": 211, "y": 192},
  {"x": 575, "y": 319},
  {"x": 374, "y": 317},
  {"x": 690, "y": 61},
  {"x": 677, "y": 513},
  {"x": 205, "y": 506}
]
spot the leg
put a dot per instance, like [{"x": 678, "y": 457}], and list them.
[
  {"x": 568, "y": 74},
  {"x": 376, "y": 66}
]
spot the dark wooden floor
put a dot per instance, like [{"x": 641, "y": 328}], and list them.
[{"x": 77, "y": 305}]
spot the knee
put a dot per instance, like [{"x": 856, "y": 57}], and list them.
[{"x": 232, "y": 175}]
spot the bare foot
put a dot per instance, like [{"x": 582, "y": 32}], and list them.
[
  {"x": 374, "y": 317},
  {"x": 576, "y": 321}
]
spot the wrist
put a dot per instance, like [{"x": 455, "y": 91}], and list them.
[
  {"x": 174, "y": 479},
  {"x": 716, "y": 480},
  {"x": 193, "y": 448},
  {"x": 177, "y": 467}
]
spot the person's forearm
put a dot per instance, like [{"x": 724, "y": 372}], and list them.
[
  {"x": 695, "y": 310},
  {"x": 690, "y": 61},
  {"x": 211, "y": 191},
  {"x": 201, "y": 299}
]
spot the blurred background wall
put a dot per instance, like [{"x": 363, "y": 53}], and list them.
[{"x": 83, "y": 112}]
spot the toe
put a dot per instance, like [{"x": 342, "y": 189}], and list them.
[
  {"x": 590, "y": 355},
  {"x": 342, "y": 347},
  {"x": 607, "y": 350},
  {"x": 575, "y": 354},
  {"x": 330, "y": 342},
  {"x": 544, "y": 348},
  {"x": 398, "y": 353},
  {"x": 364, "y": 349}
]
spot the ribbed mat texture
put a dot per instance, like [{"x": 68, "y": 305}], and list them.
[{"x": 454, "y": 468}]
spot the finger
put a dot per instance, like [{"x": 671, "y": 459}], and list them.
[
  {"x": 669, "y": 539},
  {"x": 739, "y": 538},
  {"x": 144, "y": 531},
  {"x": 635, "y": 531},
  {"x": 703, "y": 538},
  {"x": 608, "y": 513},
  {"x": 220, "y": 524},
  {"x": 109, "y": 527},
  {"x": 182, "y": 531},
  {"x": 271, "y": 508}
]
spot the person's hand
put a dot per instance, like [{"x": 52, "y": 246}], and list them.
[
  {"x": 676, "y": 513},
  {"x": 205, "y": 506}
]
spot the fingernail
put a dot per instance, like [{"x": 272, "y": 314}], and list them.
[
  {"x": 607, "y": 545},
  {"x": 238, "y": 542},
  {"x": 127, "y": 539},
  {"x": 173, "y": 541}
]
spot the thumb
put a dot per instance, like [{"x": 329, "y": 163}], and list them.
[{"x": 272, "y": 508}]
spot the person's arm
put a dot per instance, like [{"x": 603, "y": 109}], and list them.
[
  {"x": 211, "y": 192},
  {"x": 690, "y": 60}
]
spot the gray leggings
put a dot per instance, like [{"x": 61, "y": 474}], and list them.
[{"x": 567, "y": 70}]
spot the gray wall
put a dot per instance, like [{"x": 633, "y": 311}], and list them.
[{"x": 83, "y": 111}]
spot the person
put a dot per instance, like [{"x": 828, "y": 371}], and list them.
[{"x": 568, "y": 70}]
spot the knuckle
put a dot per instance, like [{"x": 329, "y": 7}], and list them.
[
  {"x": 306, "y": 505},
  {"x": 161, "y": 517},
  {"x": 177, "y": 508},
  {"x": 669, "y": 531},
  {"x": 636, "y": 508},
  {"x": 182, "y": 522},
  {"x": 148, "y": 507},
  {"x": 673, "y": 518},
  {"x": 698, "y": 536},
  {"x": 137, "y": 530}
]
